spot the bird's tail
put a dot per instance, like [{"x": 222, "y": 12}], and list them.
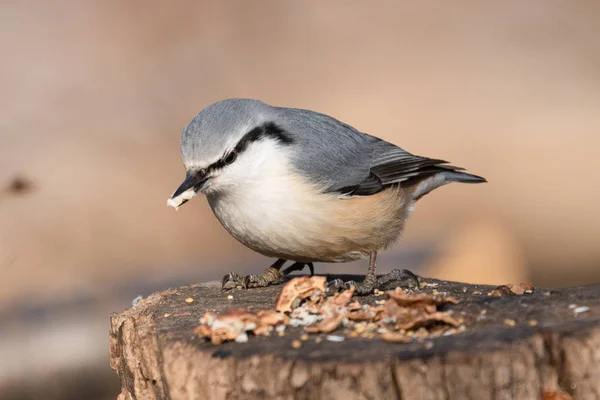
[
  {"x": 459, "y": 176},
  {"x": 442, "y": 176}
]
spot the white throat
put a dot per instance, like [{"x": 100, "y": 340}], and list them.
[{"x": 251, "y": 196}]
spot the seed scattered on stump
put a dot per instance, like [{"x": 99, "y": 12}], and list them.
[{"x": 581, "y": 309}]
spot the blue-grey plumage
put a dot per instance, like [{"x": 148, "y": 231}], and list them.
[
  {"x": 299, "y": 185},
  {"x": 331, "y": 153}
]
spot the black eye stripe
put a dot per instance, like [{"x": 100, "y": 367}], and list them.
[{"x": 268, "y": 130}]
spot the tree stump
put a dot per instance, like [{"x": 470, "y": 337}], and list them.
[{"x": 540, "y": 346}]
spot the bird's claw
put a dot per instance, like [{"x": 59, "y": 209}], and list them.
[
  {"x": 337, "y": 285},
  {"x": 360, "y": 288},
  {"x": 233, "y": 280},
  {"x": 253, "y": 281},
  {"x": 402, "y": 277}
]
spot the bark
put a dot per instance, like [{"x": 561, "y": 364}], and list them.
[{"x": 157, "y": 356}]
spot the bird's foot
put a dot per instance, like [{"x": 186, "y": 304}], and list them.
[
  {"x": 233, "y": 280},
  {"x": 270, "y": 276},
  {"x": 398, "y": 277},
  {"x": 360, "y": 288}
]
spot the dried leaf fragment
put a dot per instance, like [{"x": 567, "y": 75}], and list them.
[
  {"x": 395, "y": 337},
  {"x": 327, "y": 325},
  {"x": 512, "y": 289},
  {"x": 202, "y": 330},
  {"x": 299, "y": 289},
  {"x": 500, "y": 291},
  {"x": 417, "y": 311},
  {"x": 341, "y": 299},
  {"x": 521, "y": 288},
  {"x": 268, "y": 320},
  {"x": 555, "y": 395},
  {"x": 379, "y": 313},
  {"x": 361, "y": 316},
  {"x": 230, "y": 326},
  {"x": 354, "y": 306},
  {"x": 271, "y": 317},
  {"x": 208, "y": 318},
  {"x": 403, "y": 299},
  {"x": 425, "y": 320},
  {"x": 235, "y": 325}
]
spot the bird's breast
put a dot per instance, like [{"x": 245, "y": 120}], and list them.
[{"x": 283, "y": 216}]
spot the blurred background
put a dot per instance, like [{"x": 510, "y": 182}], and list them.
[{"x": 95, "y": 95}]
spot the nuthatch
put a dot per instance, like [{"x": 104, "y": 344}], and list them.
[{"x": 301, "y": 186}]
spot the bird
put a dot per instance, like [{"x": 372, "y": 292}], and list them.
[{"x": 300, "y": 186}]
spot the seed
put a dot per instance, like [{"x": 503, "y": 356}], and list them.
[{"x": 581, "y": 309}]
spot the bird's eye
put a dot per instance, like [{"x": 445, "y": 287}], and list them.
[{"x": 230, "y": 157}]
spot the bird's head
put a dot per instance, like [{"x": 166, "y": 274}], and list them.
[{"x": 223, "y": 144}]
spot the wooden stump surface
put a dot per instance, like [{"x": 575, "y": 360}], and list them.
[{"x": 157, "y": 356}]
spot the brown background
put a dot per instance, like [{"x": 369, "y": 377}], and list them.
[{"x": 95, "y": 95}]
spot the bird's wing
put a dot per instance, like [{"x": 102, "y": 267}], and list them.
[{"x": 393, "y": 165}]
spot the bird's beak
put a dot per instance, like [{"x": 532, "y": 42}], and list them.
[{"x": 193, "y": 184}]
